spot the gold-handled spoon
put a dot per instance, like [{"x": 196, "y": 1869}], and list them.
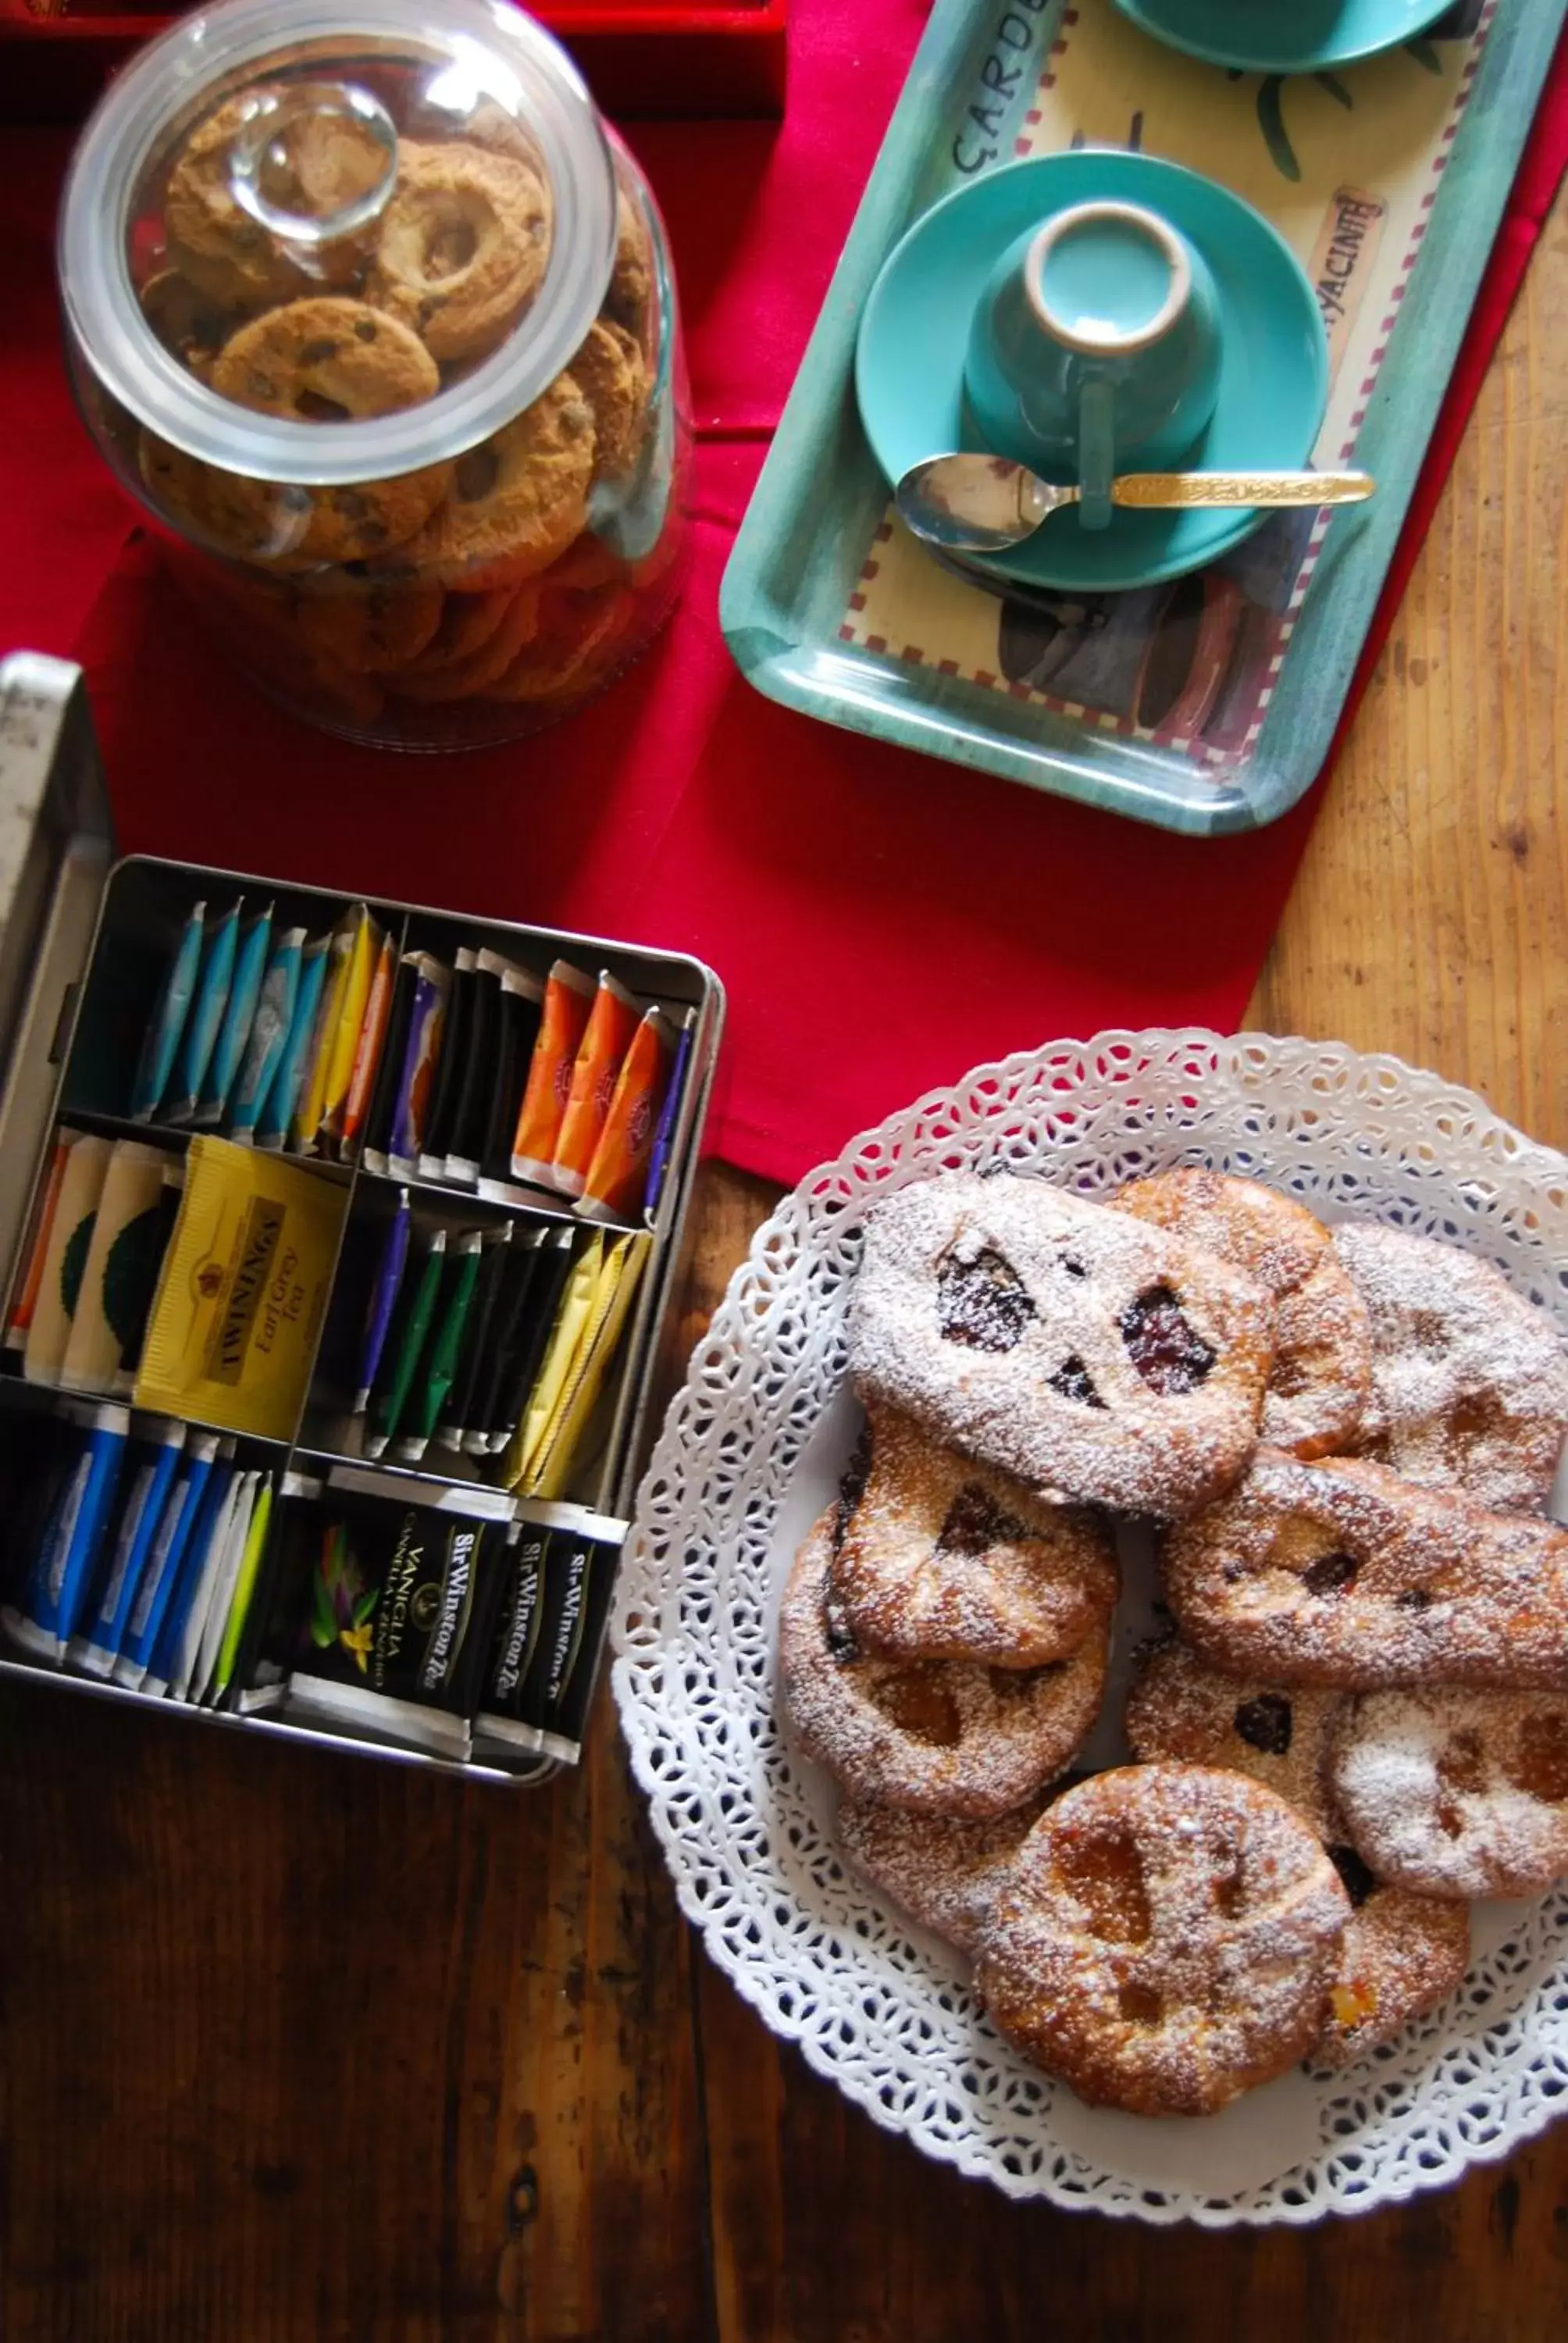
[{"x": 983, "y": 504}]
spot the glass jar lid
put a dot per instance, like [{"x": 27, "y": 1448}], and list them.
[{"x": 321, "y": 249}]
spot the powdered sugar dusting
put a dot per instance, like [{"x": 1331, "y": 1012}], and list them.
[
  {"x": 945, "y": 1873},
  {"x": 1321, "y": 1379},
  {"x": 944, "y": 1558},
  {"x": 1166, "y": 1939},
  {"x": 1401, "y": 1955},
  {"x": 1457, "y": 1793},
  {"x": 933, "y": 1737},
  {"x": 1063, "y": 1405},
  {"x": 1341, "y": 1573},
  {"x": 1471, "y": 1383},
  {"x": 1181, "y": 1710}
]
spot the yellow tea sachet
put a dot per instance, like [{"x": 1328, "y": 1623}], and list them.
[
  {"x": 243, "y": 1291},
  {"x": 571, "y": 1322},
  {"x": 342, "y": 957},
  {"x": 364, "y": 968},
  {"x": 558, "y": 1432}
]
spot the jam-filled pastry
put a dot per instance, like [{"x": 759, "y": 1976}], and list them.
[
  {"x": 1181, "y": 1711},
  {"x": 1166, "y": 1937},
  {"x": 1456, "y": 1794},
  {"x": 1321, "y": 1380},
  {"x": 1102, "y": 1361},
  {"x": 943, "y": 1558},
  {"x": 943, "y": 1873},
  {"x": 1401, "y": 1955},
  {"x": 1470, "y": 1382},
  {"x": 932, "y": 1737},
  {"x": 1341, "y": 1574}
]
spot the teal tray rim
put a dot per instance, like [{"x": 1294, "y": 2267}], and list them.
[{"x": 781, "y": 623}]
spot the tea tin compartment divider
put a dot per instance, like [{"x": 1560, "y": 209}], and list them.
[
  {"x": 1206, "y": 706},
  {"x": 62, "y": 898}
]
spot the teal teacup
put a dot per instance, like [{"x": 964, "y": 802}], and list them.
[{"x": 1095, "y": 346}]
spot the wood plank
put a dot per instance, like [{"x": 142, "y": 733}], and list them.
[
  {"x": 1430, "y": 919},
  {"x": 304, "y": 2045}
]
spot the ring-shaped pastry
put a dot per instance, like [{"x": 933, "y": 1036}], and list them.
[{"x": 463, "y": 246}]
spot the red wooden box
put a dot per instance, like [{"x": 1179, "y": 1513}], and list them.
[{"x": 639, "y": 57}]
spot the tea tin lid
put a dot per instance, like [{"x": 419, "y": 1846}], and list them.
[{"x": 319, "y": 247}]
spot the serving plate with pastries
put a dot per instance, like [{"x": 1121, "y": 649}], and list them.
[{"x": 1095, "y": 1640}]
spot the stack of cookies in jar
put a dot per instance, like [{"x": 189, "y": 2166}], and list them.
[
  {"x": 398, "y": 607},
  {"x": 1355, "y": 1721}
]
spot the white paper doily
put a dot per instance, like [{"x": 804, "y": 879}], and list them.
[{"x": 750, "y": 1450}]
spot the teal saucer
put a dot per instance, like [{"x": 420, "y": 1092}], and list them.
[
  {"x": 1273, "y": 380},
  {"x": 1285, "y": 36}
]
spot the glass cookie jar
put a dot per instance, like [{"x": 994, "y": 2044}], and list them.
[{"x": 376, "y": 315}]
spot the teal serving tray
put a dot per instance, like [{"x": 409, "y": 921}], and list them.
[{"x": 820, "y": 499}]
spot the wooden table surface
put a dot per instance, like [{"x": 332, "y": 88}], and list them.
[{"x": 298, "y": 2047}]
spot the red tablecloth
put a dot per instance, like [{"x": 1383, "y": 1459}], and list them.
[{"x": 882, "y": 920}]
